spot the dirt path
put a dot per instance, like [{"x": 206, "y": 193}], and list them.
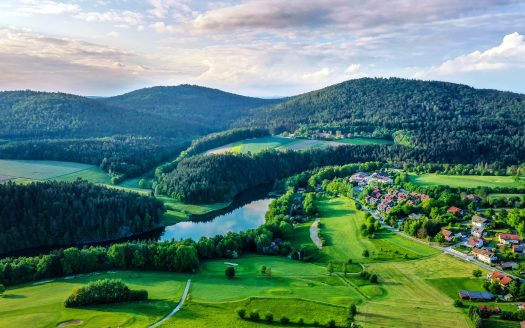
[
  {"x": 177, "y": 308},
  {"x": 314, "y": 233}
]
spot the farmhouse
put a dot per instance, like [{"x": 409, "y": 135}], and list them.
[
  {"x": 478, "y": 222},
  {"x": 474, "y": 242},
  {"x": 484, "y": 255},
  {"x": 508, "y": 239},
  {"x": 455, "y": 210},
  {"x": 502, "y": 278},
  {"x": 475, "y": 296},
  {"x": 447, "y": 234}
]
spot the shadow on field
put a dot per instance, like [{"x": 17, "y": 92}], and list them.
[{"x": 14, "y": 296}]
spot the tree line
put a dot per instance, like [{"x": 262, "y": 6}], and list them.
[{"x": 65, "y": 213}]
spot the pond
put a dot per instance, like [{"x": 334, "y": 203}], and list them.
[{"x": 248, "y": 216}]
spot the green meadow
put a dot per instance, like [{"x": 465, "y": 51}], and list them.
[
  {"x": 466, "y": 181},
  {"x": 41, "y": 170}
]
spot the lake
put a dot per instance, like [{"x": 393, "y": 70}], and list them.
[{"x": 248, "y": 216}]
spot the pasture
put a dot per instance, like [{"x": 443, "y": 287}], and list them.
[
  {"x": 259, "y": 144},
  {"x": 465, "y": 181},
  {"x": 42, "y": 305}
]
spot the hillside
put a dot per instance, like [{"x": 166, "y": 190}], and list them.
[
  {"x": 41, "y": 114},
  {"x": 210, "y": 107},
  {"x": 447, "y": 122}
]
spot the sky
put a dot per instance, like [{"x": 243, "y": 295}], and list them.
[{"x": 264, "y": 48}]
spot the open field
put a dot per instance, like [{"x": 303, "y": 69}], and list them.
[
  {"x": 40, "y": 170},
  {"x": 522, "y": 196},
  {"x": 42, "y": 305},
  {"x": 341, "y": 221},
  {"x": 260, "y": 144},
  {"x": 466, "y": 181},
  {"x": 178, "y": 211}
]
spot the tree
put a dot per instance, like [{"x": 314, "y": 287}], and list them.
[
  {"x": 285, "y": 320},
  {"x": 269, "y": 272},
  {"x": 373, "y": 279},
  {"x": 230, "y": 272},
  {"x": 352, "y": 310},
  {"x": 366, "y": 253},
  {"x": 477, "y": 273},
  {"x": 268, "y": 317},
  {"x": 331, "y": 323},
  {"x": 263, "y": 269},
  {"x": 241, "y": 313},
  {"x": 330, "y": 268},
  {"x": 2, "y": 289}
]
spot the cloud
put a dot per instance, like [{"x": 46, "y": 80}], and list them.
[
  {"x": 350, "y": 15},
  {"x": 123, "y": 19},
  {"x": 28, "y": 8},
  {"x": 510, "y": 54}
]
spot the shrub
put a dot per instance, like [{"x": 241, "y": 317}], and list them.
[
  {"x": 268, "y": 317},
  {"x": 373, "y": 279},
  {"x": 352, "y": 310},
  {"x": 300, "y": 321},
  {"x": 230, "y": 272},
  {"x": 366, "y": 253},
  {"x": 458, "y": 303},
  {"x": 284, "y": 320},
  {"x": 241, "y": 313},
  {"x": 104, "y": 291},
  {"x": 316, "y": 323},
  {"x": 331, "y": 323},
  {"x": 2, "y": 289},
  {"x": 254, "y": 315}
]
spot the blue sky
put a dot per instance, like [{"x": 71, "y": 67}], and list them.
[{"x": 257, "y": 47}]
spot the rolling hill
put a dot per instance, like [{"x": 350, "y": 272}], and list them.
[
  {"x": 447, "y": 122},
  {"x": 28, "y": 114},
  {"x": 213, "y": 108}
]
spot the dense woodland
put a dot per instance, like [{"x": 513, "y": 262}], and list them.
[
  {"x": 449, "y": 123},
  {"x": 218, "y": 178},
  {"x": 120, "y": 156},
  {"x": 28, "y": 114},
  {"x": 60, "y": 213},
  {"x": 210, "y": 107}
]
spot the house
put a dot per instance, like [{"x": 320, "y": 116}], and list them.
[
  {"x": 455, "y": 210},
  {"x": 473, "y": 198},
  {"x": 461, "y": 234},
  {"x": 518, "y": 248},
  {"x": 478, "y": 233},
  {"x": 484, "y": 255},
  {"x": 361, "y": 178},
  {"x": 521, "y": 306},
  {"x": 475, "y": 296},
  {"x": 449, "y": 235},
  {"x": 381, "y": 178},
  {"x": 474, "y": 242},
  {"x": 478, "y": 222},
  {"x": 509, "y": 265},
  {"x": 502, "y": 278},
  {"x": 508, "y": 239},
  {"x": 522, "y": 324}
]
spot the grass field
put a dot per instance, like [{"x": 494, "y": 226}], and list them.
[
  {"x": 42, "y": 305},
  {"x": 260, "y": 144},
  {"x": 465, "y": 181},
  {"x": 341, "y": 221},
  {"x": 40, "y": 170}
]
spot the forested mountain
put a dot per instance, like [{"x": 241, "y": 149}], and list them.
[
  {"x": 29, "y": 114},
  {"x": 447, "y": 122},
  {"x": 58, "y": 213},
  {"x": 210, "y": 107}
]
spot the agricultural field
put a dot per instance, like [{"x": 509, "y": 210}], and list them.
[
  {"x": 466, "y": 181},
  {"x": 260, "y": 144},
  {"x": 41, "y": 170},
  {"x": 42, "y": 305}
]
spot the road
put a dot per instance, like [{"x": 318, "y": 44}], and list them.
[
  {"x": 448, "y": 250},
  {"x": 177, "y": 308},
  {"x": 314, "y": 233}
]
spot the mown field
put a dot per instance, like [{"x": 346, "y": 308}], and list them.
[
  {"x": 466, "y": 181},
  {"x": 260, "y": 144},
  {"x": 42, "y": 305}
]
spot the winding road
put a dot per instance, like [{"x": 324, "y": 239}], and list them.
[{"x": 177, "y": 308}]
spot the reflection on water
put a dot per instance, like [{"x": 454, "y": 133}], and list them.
[{"x": 246, "y": 217}]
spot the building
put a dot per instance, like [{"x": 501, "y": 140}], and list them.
[
  {"x": 478, "y": 222},
  {"x": 361, "y": 178},
  {"x": 502, "y": 278},
  {"x": 382, "y": 178},
  {"x": 484, "y": 255},
  {"x": 508, "y": 239},
  {"x": 478, "y": 233},
  {"x": 509, "y": 265},
  {"x": 475, "y": 296},
  {"x": 474, "y": 242},
  {"x": 473, "y": 198},
  {"x": 455, "y": 210},
  {"x": 449, "y": 235},
  {"x": 518, "y": 248}
]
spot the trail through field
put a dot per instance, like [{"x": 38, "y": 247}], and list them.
[
  {"x": 177, "y": 308},
  {"x": 314, "y": 233}
]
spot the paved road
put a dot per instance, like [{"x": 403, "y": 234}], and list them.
[
  {"x": 177, "y": 308},
  {"x": 314, "y": 233},
  {"x": 448, "y": 250}
]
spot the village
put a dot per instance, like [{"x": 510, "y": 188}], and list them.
[{"x": 467, "y": 234}]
